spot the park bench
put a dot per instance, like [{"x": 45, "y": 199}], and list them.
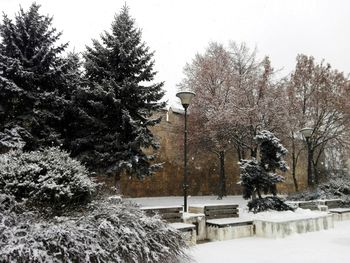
[
  {"x": 331, "y": 203},
  {"x": 312, "y": 205},
  {"x": 170, "y": 214},
  {"x": 222, "y": 222},
  {"x": 216, "y": 211},
  {"x": 173, "y": 215},
  {"x": 340, "y": 214},
  {"x": 322, "y": 205}
]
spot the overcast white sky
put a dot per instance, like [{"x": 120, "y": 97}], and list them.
[{"x": 177, "y": 30}]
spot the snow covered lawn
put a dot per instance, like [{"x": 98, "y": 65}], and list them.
[{"x": 325, "y": 246}]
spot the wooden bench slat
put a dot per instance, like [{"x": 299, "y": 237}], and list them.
[
  {"x": 213, "y": 207},
  {"x": 221, "y": 211},
  {"x": 171, "y": 215}
]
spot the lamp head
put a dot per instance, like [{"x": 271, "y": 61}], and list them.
[
  {"x": 185, "y": 97},
  {"x": 307, "y": 132}
]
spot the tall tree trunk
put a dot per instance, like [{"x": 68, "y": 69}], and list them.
[
  {"x": 222, "y": 179},
  {"x": 239, "y": 153}
]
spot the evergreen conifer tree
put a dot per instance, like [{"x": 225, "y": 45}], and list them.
[
  {"x": 110, "y": 122},
  {"x": 35, "y": 80},
  {"x": 259, "y": 176}
]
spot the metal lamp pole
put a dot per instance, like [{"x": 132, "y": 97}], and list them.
[
  {"x": 307, "y": 133},
  {"x": 186, "y": 97},
  {"x": 185, "y": 184}
]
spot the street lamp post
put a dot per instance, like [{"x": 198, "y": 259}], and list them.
[
  {"x": 307, "y": 133},
  {"x": 186, "y": 98}
]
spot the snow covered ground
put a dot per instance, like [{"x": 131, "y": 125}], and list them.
[
  {"x": 179, "y": 200},
  {"x": 325, "y": 246},
  {"x": 317, "y": 247}
]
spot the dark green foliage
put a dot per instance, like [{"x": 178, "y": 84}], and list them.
[
  {"x": 46, "y": 178},
  {"x": 35, "y": 80},
  {"x": 268, "y": 203},
  {"x": 258, "y": 176},
  {"x": 110, "y": 120},
  {"x": 104, "y": 232},
  {"x": 255, "y": 177}
]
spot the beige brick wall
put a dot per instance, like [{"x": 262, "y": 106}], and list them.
[{"x": 203, "y": 167}]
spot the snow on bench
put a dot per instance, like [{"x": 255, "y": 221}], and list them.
[
  {"x": 188, "y": 231},
  {"x": 214, "y": 211},
  {"x": 282, "y": 224}
]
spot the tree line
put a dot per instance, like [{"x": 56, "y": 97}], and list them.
[
  {"x": 97, "y": 107},
  {"x": 238, "y": 95}
]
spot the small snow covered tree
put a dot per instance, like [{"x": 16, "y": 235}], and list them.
[
  {"x": 35, "y": 79},
  {"x": 259, "y": 176},
  {"x": 49, "y": 177},
  {"x": 110, "y": 123}
]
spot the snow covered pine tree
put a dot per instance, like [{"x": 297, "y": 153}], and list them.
[
  {"x": 110, "y": 124},
  {"x": 34, "y": 80},
  {"x": 258, "y": 176}
]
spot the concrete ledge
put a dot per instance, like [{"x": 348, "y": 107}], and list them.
[
  {"x": 229, "y": 228},
  {"x": 188, "y": 231},
  {"x": 199, "y": 221},
  {"x": 340, "y": 214},
  {"x": 280, "y": 229}
]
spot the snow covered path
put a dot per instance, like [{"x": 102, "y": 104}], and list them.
[{"x": 317, "y": 247}]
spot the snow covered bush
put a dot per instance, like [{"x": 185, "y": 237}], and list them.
[
  {"x": 48, "y": 177},
  {"x": 259, "y": 176},
  {"x": 13, "y": 139},
  {"x": 105, "y": 232},
  {"x": 338, "y": 186}
]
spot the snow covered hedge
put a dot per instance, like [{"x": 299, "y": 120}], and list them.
[
  {"x": 49, "y": 177},
  {"x": 105, "y": 232},
  {"x": 338, "y": 186}
]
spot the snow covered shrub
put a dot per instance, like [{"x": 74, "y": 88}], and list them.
[
  {"x": 106, "y": 232},
  {"x": 13, "y": 139},
  {"x": 337, "y": 187},
  {"x": 48, "y": 177},
  {"x": 268, "y": 203},
  {"x": 259, "y": 176}
]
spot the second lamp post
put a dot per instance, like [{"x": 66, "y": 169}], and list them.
[
  {"x": 307, "y": 133},
  {"x": 186, "y": 98}
]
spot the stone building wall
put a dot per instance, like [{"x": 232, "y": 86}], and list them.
[{"x": 203, "y": 167}]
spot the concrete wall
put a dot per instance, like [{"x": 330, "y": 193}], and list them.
[{"x": 203, "y": 166}]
